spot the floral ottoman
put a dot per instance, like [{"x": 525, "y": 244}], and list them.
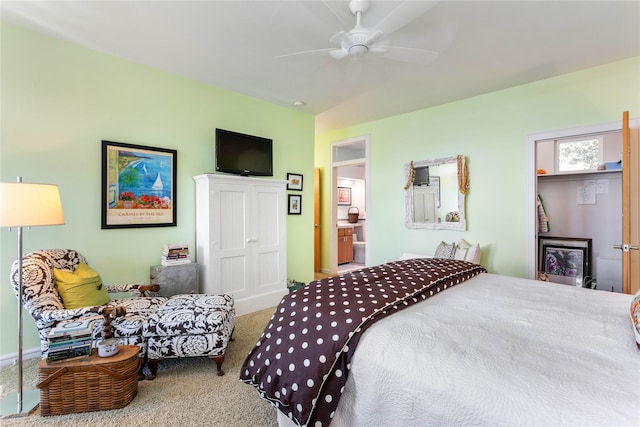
[{"x": 189, "y": 325}]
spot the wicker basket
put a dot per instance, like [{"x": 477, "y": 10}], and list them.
[
  {"x": 89, "y": 384},
  {"x": 353, "y": 216}
]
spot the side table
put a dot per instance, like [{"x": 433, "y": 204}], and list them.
[
  {"x": 175, "y": 279},
  {"x": 91, "y": 383}
]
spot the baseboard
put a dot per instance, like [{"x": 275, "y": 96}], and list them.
[
  {"x": 12, "y": 358},
  {"x": 258, "y": 302}
]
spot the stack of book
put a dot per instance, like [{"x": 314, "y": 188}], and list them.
[
  {"x": 70, "y": 339},
  {"x": 175, "y": 254}
]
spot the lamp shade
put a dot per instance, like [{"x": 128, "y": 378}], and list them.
[{"x": 29, "y": 205}]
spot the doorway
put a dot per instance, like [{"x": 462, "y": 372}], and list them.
[
  {"x": 592, "y": 198},
  {"x": 350, "y": 174}
]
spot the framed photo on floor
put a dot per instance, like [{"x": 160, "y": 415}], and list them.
[
  {"x": 565, "y": 260},
  {"x": 138, "y": 186}
]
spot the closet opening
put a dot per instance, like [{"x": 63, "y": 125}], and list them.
[{"x": 575, "y": 207}]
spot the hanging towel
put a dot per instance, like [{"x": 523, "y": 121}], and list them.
[{"x": 543, "y": 219}]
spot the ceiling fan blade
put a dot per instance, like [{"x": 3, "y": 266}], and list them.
[
  {"x": 410, "y": 54},
  {"x": 337, "y": 37},
  {"x": 404, "y": 13},
  {"x": 373, "y": 37},
  {"x": 381, "y": 46},
  {"x": 339, "y": 12},
  {"x": 333, "y": 15},
  {"x": 338, "y": 53},
  {"x": 315, "y": 52}
]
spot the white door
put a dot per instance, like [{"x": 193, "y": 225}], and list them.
[{"x": 424, "y": 203}]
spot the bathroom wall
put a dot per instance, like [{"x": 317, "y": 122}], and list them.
[{"x": 353, "y": 177}]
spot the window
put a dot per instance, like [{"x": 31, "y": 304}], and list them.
[{"x": 578, "y": 155}]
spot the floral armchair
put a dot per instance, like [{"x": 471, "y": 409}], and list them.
[{"x": 42, "y": 300}]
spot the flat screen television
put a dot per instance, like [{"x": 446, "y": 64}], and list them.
[{"x": 242, "y": 154}]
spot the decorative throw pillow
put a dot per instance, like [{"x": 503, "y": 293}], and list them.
[
  {"x": 465, "y": 251},
  {"x": 474, "y": 254},
  {"x": 635, "y": 316},
  {"x": 81, "y": 288},
  {"x": 462, "y": 250},
  {"x": 445, "y": 250}
]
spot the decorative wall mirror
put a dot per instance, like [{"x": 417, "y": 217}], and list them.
[{"x": 435, "y": 193}]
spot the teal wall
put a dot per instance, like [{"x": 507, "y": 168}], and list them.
[
  {"x": 491, "y": 131},
  {"x": 58, "y": 102}
]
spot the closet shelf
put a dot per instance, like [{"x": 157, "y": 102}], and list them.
[{"x": 572, "y": 174}]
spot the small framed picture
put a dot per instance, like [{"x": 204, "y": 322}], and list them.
[
  {"x": 344, "y": 196},
  {"x": 295, "y": 204},
  {"x": 294, "y": 181}
]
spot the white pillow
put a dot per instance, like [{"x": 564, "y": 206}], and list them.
[
  {"x": 462, "y": 252},
  {"x": 474, "y": 254},
  {"x": 468, "y": 252}
]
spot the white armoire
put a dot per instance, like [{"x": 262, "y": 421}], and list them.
[{"x": 241, "y": 239}]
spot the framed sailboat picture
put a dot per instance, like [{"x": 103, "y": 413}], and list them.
[{"x": 138, "y": 186}]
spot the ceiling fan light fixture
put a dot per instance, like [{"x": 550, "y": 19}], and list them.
[
  {"x": 358, "y": 50},
  {"x": 355, "y": 42}
]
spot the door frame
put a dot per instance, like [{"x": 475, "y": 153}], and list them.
[
  {"x": 631, "y": 205},
  {"x": 532, "y": 243},
  {"x": 335, "y": 165},
  {"x": 317, "y": 218}
]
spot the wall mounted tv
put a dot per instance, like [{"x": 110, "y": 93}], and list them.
[{"x": 242, "y": 154}]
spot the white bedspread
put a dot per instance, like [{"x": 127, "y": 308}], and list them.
[{"x": 497, "y": 350}]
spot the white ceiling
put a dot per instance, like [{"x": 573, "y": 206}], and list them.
[{"x": 483, "y": 46}]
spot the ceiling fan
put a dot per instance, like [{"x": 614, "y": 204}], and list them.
[{"x": 361, "y": 40}]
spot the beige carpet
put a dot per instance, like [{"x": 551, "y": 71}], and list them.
[{"x": 186, "y": 391}]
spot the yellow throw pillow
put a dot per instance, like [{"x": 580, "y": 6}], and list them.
[{"x": 82, "y": 288}]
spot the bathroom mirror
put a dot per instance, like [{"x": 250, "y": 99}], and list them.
[{"x": 435, "y": 193}]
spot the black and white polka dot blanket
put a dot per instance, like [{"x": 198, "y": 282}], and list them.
[{"x": 301, "y": 362}]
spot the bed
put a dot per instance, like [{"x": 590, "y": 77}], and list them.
[{"x": 484, "y": 349}]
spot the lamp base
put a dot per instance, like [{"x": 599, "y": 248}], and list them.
[{"x": 30, "y": 400}]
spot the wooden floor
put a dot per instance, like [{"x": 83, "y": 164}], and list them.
[{"x": 342, "y": 269}]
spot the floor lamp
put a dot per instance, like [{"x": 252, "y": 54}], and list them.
[{"x": 26, "y": 205}]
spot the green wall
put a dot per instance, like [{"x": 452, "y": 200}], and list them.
[
  {"x": 491, "y": 131},
  {"x": 60, "y": 100}
]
